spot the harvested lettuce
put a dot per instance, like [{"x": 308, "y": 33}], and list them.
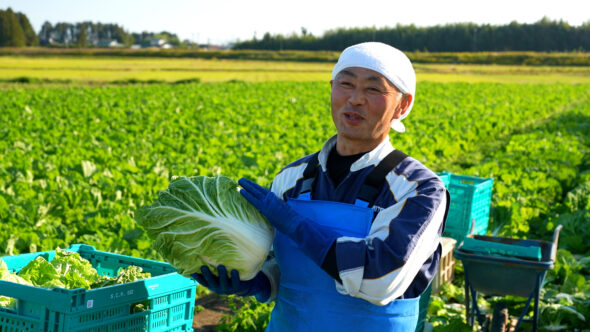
[
  {"x": 128, "y": 274},
  {"x": 40, "y": 272},
  {"x": 202, "y": 220},
  {"x": 67, "y": 270}
]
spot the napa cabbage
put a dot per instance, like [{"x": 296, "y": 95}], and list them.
[{"x": 203, "y": 220}]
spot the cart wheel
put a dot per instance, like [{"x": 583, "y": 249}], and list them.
[{"x": 500, "y": 318}]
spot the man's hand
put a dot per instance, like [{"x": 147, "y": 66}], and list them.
[
  {"x": 313, "y": 239},
  {"x": 276, "y": 211},
  {"x": 259, "y": 286}
]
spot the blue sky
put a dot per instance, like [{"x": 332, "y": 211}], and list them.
[{"x": 223, "y": 21}]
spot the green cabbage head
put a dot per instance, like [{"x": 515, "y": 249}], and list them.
[{"x": 205, "y": 221}]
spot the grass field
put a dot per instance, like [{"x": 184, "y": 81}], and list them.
[{"x": 99, "y": 70}]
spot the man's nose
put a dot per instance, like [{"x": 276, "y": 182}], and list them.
[{"x": 357, "y": 97}]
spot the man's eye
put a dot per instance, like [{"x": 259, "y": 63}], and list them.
[
  {"x": 374, "y": 90},
  {"x": 345, "y": 84}
]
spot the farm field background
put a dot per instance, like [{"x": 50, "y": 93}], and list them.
[{"x": 78, "y": 159}]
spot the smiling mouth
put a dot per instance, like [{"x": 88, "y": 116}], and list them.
[{"x": 352, "y": 116}]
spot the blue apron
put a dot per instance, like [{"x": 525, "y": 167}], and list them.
[{"x": 307, "y": 298}]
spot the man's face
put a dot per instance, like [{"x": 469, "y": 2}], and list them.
[{"x": 364, "y": 103}]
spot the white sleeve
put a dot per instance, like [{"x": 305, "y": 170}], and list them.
[{"x": 270, "y": 268}]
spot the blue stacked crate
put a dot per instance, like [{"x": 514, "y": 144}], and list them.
[
  {"x": 167, "y": 297},
  {"x": 470, "y": 200},
  {"x": 470, "y": 205}
]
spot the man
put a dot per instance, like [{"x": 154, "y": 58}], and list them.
[{"x": 359, "y": 223}]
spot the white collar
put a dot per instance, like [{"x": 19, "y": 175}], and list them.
[{"x": 372, "y": 157}]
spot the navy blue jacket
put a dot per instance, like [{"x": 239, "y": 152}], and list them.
[{"x": 399, "y": 257}]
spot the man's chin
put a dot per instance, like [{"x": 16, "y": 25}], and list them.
[
  {"x": 356, "y": 136},
  {"x": 352, "y": 136}
]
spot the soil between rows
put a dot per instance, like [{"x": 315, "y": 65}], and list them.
[{"x": 208, "y": 319}]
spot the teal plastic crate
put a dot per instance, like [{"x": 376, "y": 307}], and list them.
[
  {"x": 471, "y": 198},
  {"x": 445, "y": 177},
  {"x": 169, "y": 298}
]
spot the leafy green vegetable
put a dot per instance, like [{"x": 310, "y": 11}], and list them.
[
  {"x": 454, "y": 324},
  {"x": 67, "y": 269},
  {"x": 558, "y": 317},
  {"x": 41, "y": 272},
  {"x": 128, "y": 274},
  {"x": 578, "y": 198},
  {"x": 140, "y": 307},
  {"x": 248, "y": 315},
  {"x": 205, "y": 221}
]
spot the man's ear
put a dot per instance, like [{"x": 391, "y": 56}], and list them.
[
  {"x": 403, "y": 106},
  {"x": 406, "y": 102}
]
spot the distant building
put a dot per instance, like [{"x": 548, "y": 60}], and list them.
[
  {"x": 157, "y": 43},
  {"x": 108, "y": 43},
  {"x": 51, "y": 41}
]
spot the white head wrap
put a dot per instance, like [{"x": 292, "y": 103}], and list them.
[{"x": 387, "y": 61}]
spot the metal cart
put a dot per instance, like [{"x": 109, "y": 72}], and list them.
[{"x": 503, "y": 274}]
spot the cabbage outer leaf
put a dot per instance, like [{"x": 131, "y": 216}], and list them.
[{"x": 203, "y": 220}]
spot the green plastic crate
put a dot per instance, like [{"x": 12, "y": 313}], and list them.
[
  {"x": 169, "y": 297},
  {"x": 471, "y": 198}
]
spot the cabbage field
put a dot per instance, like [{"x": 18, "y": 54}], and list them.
[{"x": 77, "y": 162}]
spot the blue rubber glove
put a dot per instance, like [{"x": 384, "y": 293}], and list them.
[
  {"x": 311, "y": 238},
  {"x": 258, "y": 287}
]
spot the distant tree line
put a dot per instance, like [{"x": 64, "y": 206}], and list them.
[
  {"x": 544, "y": 35},
  {"x": 16, "y": 30},
  {"x": 83, "y": 34}
]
